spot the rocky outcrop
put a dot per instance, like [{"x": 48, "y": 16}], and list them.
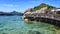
[
  {"x": 29, "y": 10},
  {"x": 41, "y": 9}
]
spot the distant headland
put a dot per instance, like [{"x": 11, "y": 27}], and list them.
[{"x": 10, "y": 13}]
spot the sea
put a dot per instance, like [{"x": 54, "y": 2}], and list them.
[{"x": 17, "y": 25}]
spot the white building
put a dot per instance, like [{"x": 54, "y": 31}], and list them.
[{"x": 56, "y": 11}]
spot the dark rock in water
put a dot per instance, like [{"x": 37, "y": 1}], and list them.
[
  {"x": 4, "y": 33},
  {"x": 21, "y": 33},
  {"x": 13, "y": 20},
  {"x": 8, "y": 29},
  {"x": 33, "y": 32},
  {"x": 1, "y": 30},
  {"x": 37, "y": 32},
  {"x": 2, "y": 25}
]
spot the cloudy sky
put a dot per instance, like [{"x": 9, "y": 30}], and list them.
[{"x": 21, "y": 5}]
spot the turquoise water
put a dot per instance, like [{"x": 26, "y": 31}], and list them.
[{"x": 16, "y": 25}]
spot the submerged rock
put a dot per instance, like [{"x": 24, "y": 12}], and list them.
[
  {"x": 58, "y": 32},
  {"x": 27, "y": 21},
  {"x": 21, "y": 33},
  {"x": 4, "y": 33},
  {"x": 33, "y": 32},
  {"x": 2, "y": 25}
]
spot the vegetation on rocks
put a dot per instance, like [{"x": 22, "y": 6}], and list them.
[{"x": 43, "y": 5}]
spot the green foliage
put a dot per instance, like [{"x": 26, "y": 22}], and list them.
[{"x": 43, "y": 5}]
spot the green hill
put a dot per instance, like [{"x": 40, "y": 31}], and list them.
[{"x": 43, "y": 5}]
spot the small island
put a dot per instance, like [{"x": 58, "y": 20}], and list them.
[{"x": 43, "y": 13}]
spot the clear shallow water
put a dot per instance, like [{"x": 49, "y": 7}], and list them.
[{"x": 16, "y": 25}]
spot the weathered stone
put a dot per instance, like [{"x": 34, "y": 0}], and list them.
[{"x": 28, "y": 10}]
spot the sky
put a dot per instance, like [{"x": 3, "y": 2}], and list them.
[{"x": 22, "y": 5}]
